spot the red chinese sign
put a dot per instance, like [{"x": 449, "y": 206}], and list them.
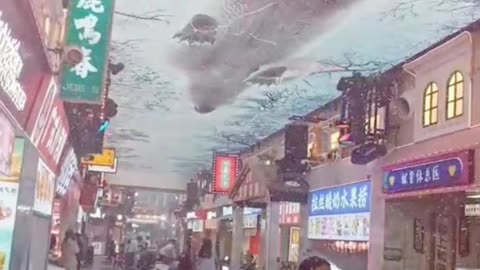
[
  {"x": 225, "y": 171},
  {"x": 289, "y": 213},
  {"x": 48, "y": 127},
  {"x": 22, "y": 59},
  {"x": 88, "y": 197}
]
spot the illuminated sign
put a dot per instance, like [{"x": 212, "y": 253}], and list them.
[
  {"x": 346, "y": 207},
  {"x": 106, "y": 159},
  {"x": 225, "y": 171},
  {"x": 104, "y": 169},
  {"x": 12, "y": 66}
]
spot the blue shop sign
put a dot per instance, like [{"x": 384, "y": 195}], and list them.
[
  {"x": 347, "y": 199},
  {"x": 444, "y": 171}
]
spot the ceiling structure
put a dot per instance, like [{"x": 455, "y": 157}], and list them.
[{"x": 161, "y": 137}]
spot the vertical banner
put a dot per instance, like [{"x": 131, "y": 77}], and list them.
[
  {"x": 89, "y": 27},
  {"x": 225, "y": 171},
  {"x": 8, "y": 203},
  {"x": 294, "y": 244},
  {"x": 44, "y": 190}
]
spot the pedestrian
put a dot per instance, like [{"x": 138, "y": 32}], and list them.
[
  {"x": 168, "y": 253},
  {"x": 70, "y": 250},
  {"x": 205, "y": 256},
  {"x": 131, "y": 249},
  {"x": 80, "y": 252},
  {"x": 314, "y": 263}
]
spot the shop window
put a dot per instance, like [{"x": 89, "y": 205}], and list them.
[
  {"x": 455, "y": 91},
  {"x": 430, "y": 105}
]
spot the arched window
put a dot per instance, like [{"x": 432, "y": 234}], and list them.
[
  {"x": 455, "y": 95},
  {"x": 430, "y": 105}
]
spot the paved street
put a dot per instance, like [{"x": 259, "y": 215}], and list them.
[{"x": 98, "y": 265}]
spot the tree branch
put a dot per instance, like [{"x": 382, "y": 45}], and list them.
[{"x": 157, "y": 17}]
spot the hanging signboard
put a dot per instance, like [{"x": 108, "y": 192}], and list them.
[
  {"x": 88, "y": 28},
  {"x": 44, "y": 190},
  {"x": 22, "y": 59},
  {"x": 49, "y": 128},
  {"x": 441, "y": 171},
  {"x": 104, "y": 169},
  {"x": 67, "y": 172},
  {"x": 106, "y": 159},
  {"x": 340, "y": 213},
  {"x": 225, "y": 171},
  {"x": 289, "y": 213}
]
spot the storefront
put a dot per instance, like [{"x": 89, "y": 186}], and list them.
[
  {"x": 67, "y": 196},
  {"x": 339, "y": 222},
  {"x": 224, "y": 233},
  {"x": 435, "y": 200}
]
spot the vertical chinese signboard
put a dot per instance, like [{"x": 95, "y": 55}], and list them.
[
  {"x": 44, "y": 190},
  {"x": 447, "y": 170},
  {"x": 340, "y": 213},
  {"x": 8, "y": 202},
  {"x": 225, "y": 171},
  {"x": 89, "y": 27}
]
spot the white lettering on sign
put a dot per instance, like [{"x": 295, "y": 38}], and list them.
[
  {"x": 68, "y": 169},
  {"x": 49, "y": 130},
  {"x": 57, "y": 137},
  {"x": 42, "y": 117},
  {"x": 11, "y": 66}
]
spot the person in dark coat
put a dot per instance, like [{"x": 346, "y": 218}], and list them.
[{"x": 314, "y": 263}]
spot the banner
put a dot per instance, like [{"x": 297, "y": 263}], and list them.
[
  {"x": 294, "y": 244},
  {"x": 88, "y": 27},
  {"x": 225, "y": 171},
  {"x": 340, "y": 213},
  {"x": 22, "y": 59},
  {"x": 441, "y": 171},
  {"x": 67, "y": 172},
  {"x": 44, "y": 190}
]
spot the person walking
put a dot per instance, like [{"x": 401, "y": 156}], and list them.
[
  {"x": 205, "y": 256},
  {"x": 70, "y": 250},
  {"x": 314, "y": 263}
]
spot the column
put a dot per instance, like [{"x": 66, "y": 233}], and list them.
[
  {"x": 304, "y": 244},
  {"x": 377, "y": 223},
  {"x": 271, "y": 253},
  {"x": 236, "y": 259}
]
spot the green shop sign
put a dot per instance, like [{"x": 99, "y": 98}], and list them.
[{"x": 88, "y": 28}]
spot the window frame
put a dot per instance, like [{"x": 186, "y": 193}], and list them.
[
  {"x": 431, "y": 108},
  {"x": 455, "y": 99}
]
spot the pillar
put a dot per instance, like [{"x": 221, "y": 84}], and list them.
[
  {"x": 272, "y": 238},
  {"x": 304, "y": 244},
  {"x": 236, "y": 258},
  {"x": 377, "y": 223}
]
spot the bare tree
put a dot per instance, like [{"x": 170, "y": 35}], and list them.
[
  {"x": 154, "y": 15},
  {"x": 408, "y": 8}
]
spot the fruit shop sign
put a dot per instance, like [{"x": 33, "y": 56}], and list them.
[{"x": 12, "y": 65}]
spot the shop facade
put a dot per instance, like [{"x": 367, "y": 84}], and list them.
[
  {"x": 429, "y": 186},
  {"x": 339, "y": 214}
]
